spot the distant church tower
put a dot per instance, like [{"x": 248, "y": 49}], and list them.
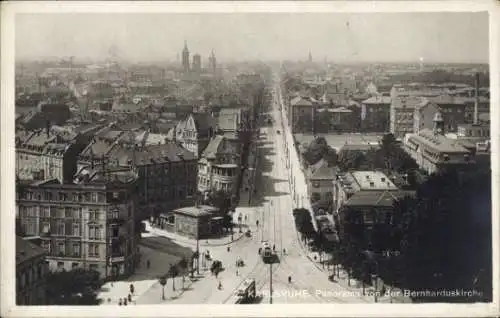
[
  {"x": 185, "y": 58},
  {"x": 310, "y": 57},
  {"x": 212, "y": 62}
]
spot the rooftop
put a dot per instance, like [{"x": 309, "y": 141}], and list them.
[
  {"x": 382, "y": 198},
  {"x": 197, "y": 211},
  {"x": 377, "y": 100},
  {"x": 373, "y": 180},
  {"x": 409, "y": 102},
  {"x": 26, "y": 251},
  {"x": 437, "y": 142}
]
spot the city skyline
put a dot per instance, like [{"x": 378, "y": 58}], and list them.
[{"x": 343, "y": 37}]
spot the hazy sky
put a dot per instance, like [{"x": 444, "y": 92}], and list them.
[{"x": 439, "y": 37}]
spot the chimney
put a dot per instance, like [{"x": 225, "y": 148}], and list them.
[{"x": 476, "y": 101}]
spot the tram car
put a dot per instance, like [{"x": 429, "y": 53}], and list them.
[
  {"x": 267, "y": 252},
  {"x": 246, "y": 293}
]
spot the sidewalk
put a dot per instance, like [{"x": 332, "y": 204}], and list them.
[
  {"x": 143, "y": 279},
  {"x": 356, "y": 285}
]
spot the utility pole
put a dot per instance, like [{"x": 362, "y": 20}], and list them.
[{"x": 271, "y": 283}]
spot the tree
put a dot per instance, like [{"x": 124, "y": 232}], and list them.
[
  {"x": 222, "y": 201},
  {"x": 76, "y": 287},
  {"x": 303, "y": 222},
  {"x": 316, "y": 150}
]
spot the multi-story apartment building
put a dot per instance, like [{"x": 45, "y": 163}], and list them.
[
  {"x": 219, "y": 167},
  {"x": 433, "y": 151},
  {"x": 402, "y": 115},
  {"x": 320, "y": 177},
  {"x": 301, "y": 112},
  {"x": 167, "y": 175},
  {"x": 44, "y": 154},
  {"x": 375, "y": 114},
  {"x": 90, "y": 223},
  {"x": 194, "y": 133},
  {"x": 31, "y": 270}
]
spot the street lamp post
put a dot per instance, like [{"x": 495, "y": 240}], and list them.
[
  {"x": 375, "y": 279},
  {"x": 198, "y": 249},
  {"x": 271, "y": 283}
]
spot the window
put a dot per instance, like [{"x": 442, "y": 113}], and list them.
[
  {"x": 74, "y": 265},
  {"x": 45, "y": 212},
  {"x": 30, "y": 228},
  {"x": 60, "y": 265},
  {"x": 68, "y": 212},
  {"x": 93, "y": 215},
  {"x": 60, "y": 230},
  {"x": 75, "y": 197},
  {"x": 94, "y": 250},
  {"x": 94, "y": 197},
  {"x": 76, "y": 213},
  {"x": 76, "y": 249},
  {"x": 93, "y": 267},
  {"x": 94, "y": 233},
  {"x": 76, "y": 229},
  {"x": 61, "y": 248},
  {"x": 316, "y": 196}
]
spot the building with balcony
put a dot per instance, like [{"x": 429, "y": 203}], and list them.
[
  {"x": 31, "y": 270},
  {"x": 88, "y": 224},
  {"x": 219, "y": 167},
  {"x": 433, "y": 151},
  {"x": 402, "y": 115}
]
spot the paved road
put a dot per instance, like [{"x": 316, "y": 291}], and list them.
[{"x": 309, "y": 284}]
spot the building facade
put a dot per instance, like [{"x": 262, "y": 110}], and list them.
[
  {"x": 375, "y": 114},
  {"x": 433, "y": 151},
  {"x": 219, "y": 167},
  {"x": 31, "y": 271},
  {"x": 167, "y": 175},
  {"x": 370, "y": 195},
  {"x": 90, "y": 224},
  {"x": 194, "y": 133},
  {"x": 320, "y": 179}
]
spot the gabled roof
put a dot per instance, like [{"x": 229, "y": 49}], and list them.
[
  {"x": 303, "y": 101},
  {"x": 377, "y": 198},
  {"x": 26, "y": 251},
  {"x": 204, "y": 122},
  {"x": 213, "y": 147}
]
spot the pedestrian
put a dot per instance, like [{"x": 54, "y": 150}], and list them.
[
  {"x": 220, "y": 285},
  {"x": 129, "y": 298},
  {"x": 120, "y": 302},
  {"x": 132, "y": 289},
  {"x": 148, "y": 264},
  {"x": 284, "y": 252},
  {"x": 257, "y": 223},
  {"x": 125, "y": 302},
  {"x": 237, "y": 273},
  {"x": 229, "y": 249},
  {"x": 274, "y": 248}
]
